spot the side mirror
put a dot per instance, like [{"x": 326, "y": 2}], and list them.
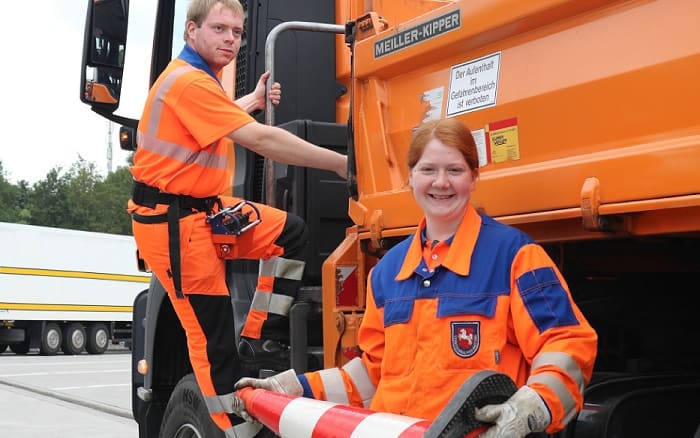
[{"x": 104, "y": 47}]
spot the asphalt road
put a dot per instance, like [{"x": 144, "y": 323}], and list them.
[{"x": 84, "y": 396}]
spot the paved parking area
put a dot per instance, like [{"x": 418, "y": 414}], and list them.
[{"x": 84, "y": 396}]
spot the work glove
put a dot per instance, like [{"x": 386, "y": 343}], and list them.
[
  {"x": 522, "y": 413},
  {"x": 238, "y": 408},
  {"x": 284, "y": 383}
]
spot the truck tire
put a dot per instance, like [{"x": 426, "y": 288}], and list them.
[
  {"x": 73, "y": 338},
  {"x": 97, "y": 338},
  {"x": 51, "y": 339},
  {"x": 186, "y": 416}
]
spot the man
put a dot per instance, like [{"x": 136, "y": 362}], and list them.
[{"x": 181, "y": 168}]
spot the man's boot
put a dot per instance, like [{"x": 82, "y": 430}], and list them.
[{"x": 264, "y": 354}]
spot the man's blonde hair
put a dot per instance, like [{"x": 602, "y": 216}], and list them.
[{"x": 199, "y": 9}]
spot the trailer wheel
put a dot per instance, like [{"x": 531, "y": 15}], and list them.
[
  {"x": 73, "y": 338},
  {"x": 50, "y": 339},
  {"x": 186, "y": 416},
  {"x": 97, "y": 338}
]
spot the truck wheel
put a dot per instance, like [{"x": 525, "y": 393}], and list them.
[
  {"x": 186, "y": 416},
  {"x": 50, "y": 339},
  {"x": 97, "y": 338},
  {"x": 73, "y": 338},
  {"x": 21, "y": 348}
]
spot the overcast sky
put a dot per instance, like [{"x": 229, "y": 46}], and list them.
[{"x": 44, "y": 123}]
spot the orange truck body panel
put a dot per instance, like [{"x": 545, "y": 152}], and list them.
[{"x": 586, "y": 113}]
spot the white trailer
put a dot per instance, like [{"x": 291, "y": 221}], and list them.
[{"x": 65, "y": 289}]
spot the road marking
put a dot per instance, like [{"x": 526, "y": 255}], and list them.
[
  {"x": 66, "y": 388},
  {"x": 54, "y": 373},
  {"x": 126, "y": 413},
  {"x": 24, "y": 365}
]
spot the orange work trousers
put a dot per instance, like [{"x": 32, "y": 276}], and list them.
[{"x": 205, "y": 311}]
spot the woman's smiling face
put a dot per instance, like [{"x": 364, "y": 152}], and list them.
[{"x": 442, "y": 183}]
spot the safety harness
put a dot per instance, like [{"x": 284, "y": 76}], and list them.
[{"x": 179, "y": 206}]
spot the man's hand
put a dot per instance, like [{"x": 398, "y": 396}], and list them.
[
  {"x": 275, "y": 94},
  {"x": 256, "y": 99},
  {"x": 238, "y": 408},
  {"x": 522, "y": 413},
  {"x": 284, "y": 383}
]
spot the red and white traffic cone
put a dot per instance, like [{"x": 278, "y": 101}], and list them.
[{"x": 300, "y": 417}]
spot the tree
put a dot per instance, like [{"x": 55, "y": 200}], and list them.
[
  {"x": 114, "y": 193},
  {"x": 9, "y": 198},
  {"x": 24, "y": 214},
  {"x": 47, "y": 201},
  {"x": 79, "y": 199},
  {"x": 81, "y": 182}
]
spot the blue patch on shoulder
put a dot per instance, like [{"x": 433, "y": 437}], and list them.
[{"x": 546, "y": 299}]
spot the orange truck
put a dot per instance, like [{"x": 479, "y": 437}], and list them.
[{"x": 585, "y": 115}]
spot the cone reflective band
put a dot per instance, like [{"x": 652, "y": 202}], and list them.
[{"x": 299, "y": 417}]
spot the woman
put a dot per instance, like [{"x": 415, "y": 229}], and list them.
[{"x": 463, "y": 294}]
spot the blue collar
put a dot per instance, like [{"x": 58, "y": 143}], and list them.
[{"x": 190, "y": 56}]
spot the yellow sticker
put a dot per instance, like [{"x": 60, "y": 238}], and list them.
[{"x": 503, "y": 140}]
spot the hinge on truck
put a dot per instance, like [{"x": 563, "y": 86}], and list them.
[
  {"x": 590, "y": 202},
  {"x": 369, "y": 25},
  {"x": 590, "y": 208},
  {"x": 376, "y": 226}
]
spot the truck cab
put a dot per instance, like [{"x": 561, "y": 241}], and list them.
[{"x": 584, "y": 113}]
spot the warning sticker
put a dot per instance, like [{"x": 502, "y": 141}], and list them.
[
  {"x": 473, "y": 85},
  {"x": 503, "y": 140},
  {"x": 481, "y": 148}
]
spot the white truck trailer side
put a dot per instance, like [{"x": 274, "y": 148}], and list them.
[{"x": 65, "y": 289}]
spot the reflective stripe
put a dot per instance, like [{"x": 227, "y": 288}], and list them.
[
  {"x": 261, "y": 301},
  {"x": 271, "y": 303},
  {"x": 149, "y": 141},
  {"x": 280, "y": 304},
  {"x": 282, "y": 268},
  {"x": 334, "y": 386},
  {"x": 560, "y": 390},
  {"x": 277, "y": 267},
  {"x": 309, "y": 410},
  {"x": 181, "y": 153},
  {"x": 385, "y": 425},
  {"x": 360, "y": 377},
  {"x": 159, "y": 98},
  {"x": 217, "y": 404},
  {"x": 561, "y": 360},
  {"x": 243, "y": 430}
]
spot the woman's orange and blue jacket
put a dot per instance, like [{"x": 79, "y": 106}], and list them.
[{"x": 489, "y": 298}]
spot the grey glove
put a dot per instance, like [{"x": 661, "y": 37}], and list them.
[
  {"x": 285, "y": 383},
  {"x": 238, "y": 408},
  {"x": 522, "y": 413}
]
